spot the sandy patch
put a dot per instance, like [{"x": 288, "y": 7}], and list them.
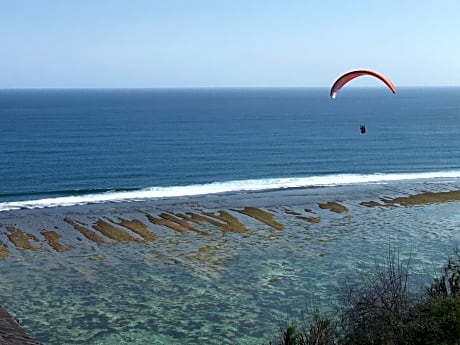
[
  {"x": 53, "y": 238},
  {"x": 263, "y": 216},
  {"x": 333, "y": 206}
]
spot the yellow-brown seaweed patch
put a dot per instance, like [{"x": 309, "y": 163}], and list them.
[
  {"x": 21, "y": 239},
  {"x": 201, "y": 219},
  {"x": 333, "y": 206},
  {"x": 205, "y": 253},
  {"x": 291, "y": 212},
  {"x": 139, "y": 228},
  {"x": 192, "y": 217},
  {"x": 98, "y": 257},
  {"x": 182, "y": 222},
  {"x": 425, "y": 198},
  {"x": 232, "y": 224},
  {"x": 3, "y": 251},
  {"x": 52, "y": 238},
  {"x": 113, "y": 232},
  {"x": 164, "y": 220},
  {"x": 215, "y": 255},
  {"x": 89, "y": 234},
  {"x": 312, "y": 220},
  {"x": 263, "y": 216},
  {"x": 371, "y": 204}
]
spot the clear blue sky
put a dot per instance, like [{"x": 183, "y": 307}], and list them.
[{"x": 208, "y": 43}]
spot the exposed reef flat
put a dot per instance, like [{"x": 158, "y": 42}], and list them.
[
  {"x": 53, "y": 240},
  {"x": 90, "y": 235},
  {"x": 139, "y": 228},
  {"x": 333, "y": 206},
  {"x": 231, "y": 223},
  {"x": 114, "y": 233},
  {"x": 20, "y": 238},
  {"x": 425, "y": 198},
  {"x": 262, "y": 215},
  {"x": 171, "y": 222},
  {"x": 129, "y": 224},
  {"x": 415, "y": 199}
]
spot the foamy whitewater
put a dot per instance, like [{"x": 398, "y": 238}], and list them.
[{"x": 223, "y": 187}]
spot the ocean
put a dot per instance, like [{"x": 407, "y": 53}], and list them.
[{"x": 191, "y": 216}]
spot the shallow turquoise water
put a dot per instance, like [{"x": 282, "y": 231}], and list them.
[{"x": 238, "y": 289}]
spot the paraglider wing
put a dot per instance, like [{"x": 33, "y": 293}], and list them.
[{"x": 339, "y": 83}]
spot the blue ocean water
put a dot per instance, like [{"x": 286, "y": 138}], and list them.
[{"x": 56, "y": 144}]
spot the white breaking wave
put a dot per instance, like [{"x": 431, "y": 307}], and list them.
[{"x": 222, "y": 187}]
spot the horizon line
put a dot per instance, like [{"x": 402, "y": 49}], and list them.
[{"x": 208, "y": 87}]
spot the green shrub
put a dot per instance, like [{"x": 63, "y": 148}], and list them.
[
  {"x": 439, "y": 314},
  {"x": 320, "y": 331},
  {"x": 439, "y": 320},
  {"x": 449, "y": 281},
  {"x": 377, "y": 312},
  {"x": 383, "y": 311}
]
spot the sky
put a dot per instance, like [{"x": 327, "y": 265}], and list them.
[{"x": 220, "y": 43}]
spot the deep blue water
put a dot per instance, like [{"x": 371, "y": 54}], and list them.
[{"x": 57, "y": 143}]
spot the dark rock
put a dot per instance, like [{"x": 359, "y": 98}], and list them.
[{"x": 11, "y": 332}]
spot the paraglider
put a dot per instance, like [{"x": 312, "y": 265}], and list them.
[
  {"x": 345, "y": 78},
  {"x": 339, "y": 83}
]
